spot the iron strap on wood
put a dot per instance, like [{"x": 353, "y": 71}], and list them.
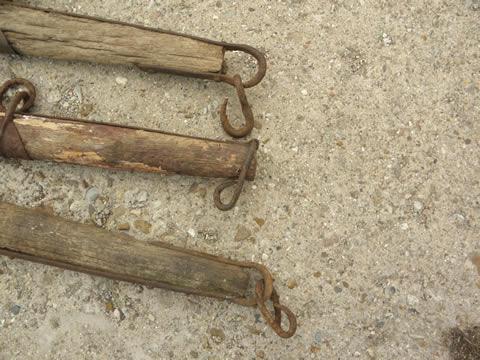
[{"x": 5, "y": 45}]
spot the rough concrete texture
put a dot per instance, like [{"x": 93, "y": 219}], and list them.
[{"x": 368, "y": 186}]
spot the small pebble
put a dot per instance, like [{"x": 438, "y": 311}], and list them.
[
  {"x": 417, "y": 205},
  {"x": 217, "y": 335},
  {"x": 390, "y": 291},
  {"x": 243, "y": 233},
  {"x": 123, "y": 227},
  {"x": 151, "y": 317},
  {"x": 292, "y": 284},
  {"x": 143, "y": 226},
  {"x": 15, "y": 309},
  {"x": 412, "y": 300},
  {"x": 77, "y": 91},
  {"x": 109, "y": 306},
  {"x": 54, "y": 323},
  {"x": 92, "y": 194},
  {"x": 387, "y": 40},
  {"x": 192, "y": 232},
  {"x": 121, "y": 80},
  {"x": 260, "y": 222},
  {"x": 304, "y": 92},
  {"x": 118, "y": 315},
  {"x": 404, "y": 226}
]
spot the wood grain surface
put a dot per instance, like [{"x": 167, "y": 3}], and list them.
[
  {"x": 115, "y": 147},
  {"x": 45, "y": 33},
  {"x": 38, "y": 236}
]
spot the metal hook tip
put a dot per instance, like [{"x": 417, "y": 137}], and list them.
[{"x": 246, "y": 110}]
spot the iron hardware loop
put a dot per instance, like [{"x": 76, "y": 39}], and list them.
[
  {"x": 275, "y": 320},
  {"x": 27, "y": 97},
  {"x": 238, "y": 183}
]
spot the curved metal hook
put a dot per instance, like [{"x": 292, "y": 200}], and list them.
[
  {"x": 217, "y": 196},
  {"x": 261, "y": 63},
  {"x": 246, "y": 110},
  {"x": 240, "y": 86}
]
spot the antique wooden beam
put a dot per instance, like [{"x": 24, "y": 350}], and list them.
[
  {"x": 47, "y": 33},
  {"x": 37, "y": 236},
  {"x": 124, "y": 148}
]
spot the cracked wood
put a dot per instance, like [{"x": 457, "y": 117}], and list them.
[
  {"x": 124, "y": 148},
  {"x": 46, "y": 33},
  {"x": 37, "y": 236}
]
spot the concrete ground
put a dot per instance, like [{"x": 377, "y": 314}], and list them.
[{"x": 368, "y": 185}]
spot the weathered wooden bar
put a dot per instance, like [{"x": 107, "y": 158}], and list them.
[
  {"x": 40, "y": 237},
  {"x": 125, "y": 148},
  {"x": 47, "y": 33}
]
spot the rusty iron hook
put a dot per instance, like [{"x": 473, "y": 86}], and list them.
[
  {"x": 238, "y": 183},
  {"x": 240, "y": 86},
  {"x": 259, "y": 57},
  {"x": 246, "y": 110}
]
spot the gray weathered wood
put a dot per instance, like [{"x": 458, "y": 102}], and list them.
[
  {"x": 46, "y": 33},
  {"x": 38, "y": 236},
  {"x": 115, "y": 147}
]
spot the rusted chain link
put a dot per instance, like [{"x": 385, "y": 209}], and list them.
[
  {"x": 263, "y": 293},
  {"x": 238, "y": 183},
  {"x": 275, "y": 320}
]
